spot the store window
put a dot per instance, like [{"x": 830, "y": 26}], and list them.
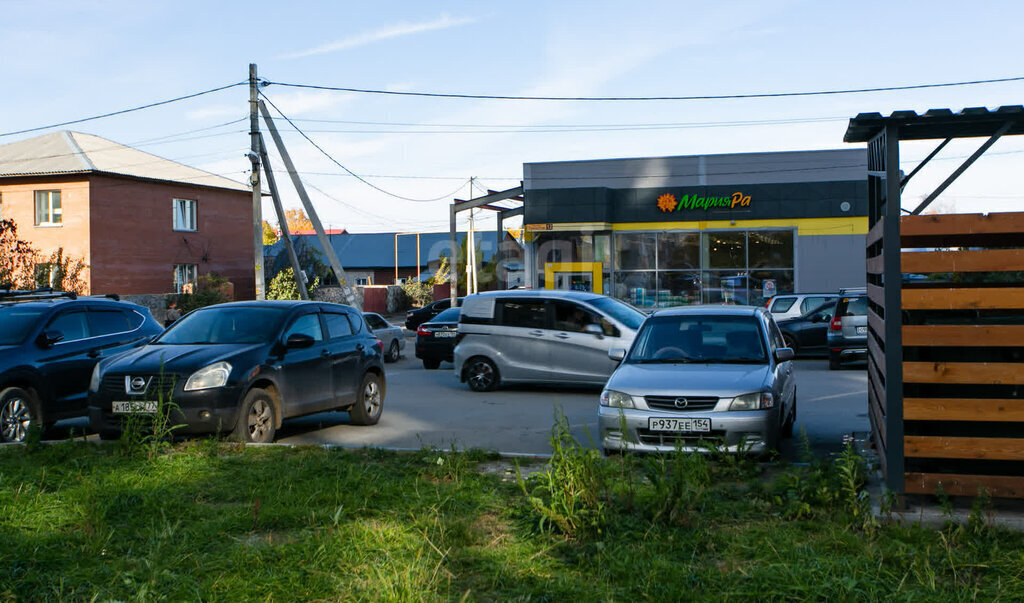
[
  {"x": 576, "y": 247},
  {"x": 725, "y": 250}
]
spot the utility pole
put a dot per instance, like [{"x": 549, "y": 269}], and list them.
[
  {"x": 254, "y": 180},
  {"x": 471, "y": 249},
  {"x": 283, "y": 222}
]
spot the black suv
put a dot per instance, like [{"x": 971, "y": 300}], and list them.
[
  {"x": 244, "y": 367},
  {"x": 49, "y": 344}
]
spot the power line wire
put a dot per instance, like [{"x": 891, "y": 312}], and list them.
[
  {"x": 572, "y": 126},
  {"x": 123, "y": 111},
  {"x": 644, "y": 98},
  {"x": 356, "y": 176}
]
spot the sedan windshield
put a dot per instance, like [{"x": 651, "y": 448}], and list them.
[
  {"x": 16, "y": 323},
  {"x": 700, "y": 338},
  {"x": 225, "y": 325}
]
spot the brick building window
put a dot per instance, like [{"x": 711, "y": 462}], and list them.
[
  {"x": 48, "y": 211},
  {"x": 184, "y": 211},
  {"x": 184, "y": 273}
]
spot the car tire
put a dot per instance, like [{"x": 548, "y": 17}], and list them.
[
  {"x": 787, "y": 426},
  {"x": 19, "y": 410},
  {"x": 369, "y": 402},
  {"x": 257, "y": 421},
  {"x": 481, "y": 374},
  {"x": 393, "y": 352},
  {"x": 833, "y": 362},
  {"x": 431, "y": 364}
]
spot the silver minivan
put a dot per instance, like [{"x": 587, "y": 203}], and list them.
[{"x": 541, "y": 336}]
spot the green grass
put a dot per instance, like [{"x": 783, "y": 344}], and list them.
[{"x": 223, "y": 522}]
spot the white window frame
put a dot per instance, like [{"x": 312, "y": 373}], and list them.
[
  {"x": 184, "y": 273},
  {"x": 184, "y": 215},
  {"x": 53, "y": 213}
]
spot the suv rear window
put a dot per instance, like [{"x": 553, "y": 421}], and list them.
[
  {"x": 783, "y": 304},
  {"x": 855, "y": 306}
]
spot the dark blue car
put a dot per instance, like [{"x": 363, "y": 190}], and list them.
[
  {"x": 49, "y": 345},
  {"x": 244, "y": 367}
]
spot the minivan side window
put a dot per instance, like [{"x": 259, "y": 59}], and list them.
[
  {"x": 573, "y": 317},
  {"x": 783, "y": 304},
  {"x": 531, "y": 314}
]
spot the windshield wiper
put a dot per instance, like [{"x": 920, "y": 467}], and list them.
[{"x": 664, "y": 360}]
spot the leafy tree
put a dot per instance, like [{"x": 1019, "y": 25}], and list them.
[
  {"x": 283, "y": 286},
  {"x": 297, "y": 220},
  {"x": 269, "y": 234},
  {"x": 22, "y": 266}
]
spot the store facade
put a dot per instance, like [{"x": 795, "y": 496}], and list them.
[{"x": 669, "y": 231}]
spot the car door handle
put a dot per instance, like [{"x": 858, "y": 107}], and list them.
[
  {"x": 562, "y": 336},
  {"x": 536, "y": 333},
  {"x": 325, "y": 353},
  {"x": 94, "y": 354}
]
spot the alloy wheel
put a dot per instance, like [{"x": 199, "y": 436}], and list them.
[
  {"x": 260, "y": 417},
  {"x": 14, "y": 420},
  {"x": 371, "y": 398},
  {"x": 481, "y": 375}
]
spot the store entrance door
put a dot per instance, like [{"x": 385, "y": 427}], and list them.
[
  {"x": 574, "y": 281},
  {"x": 574, "y": 276}
]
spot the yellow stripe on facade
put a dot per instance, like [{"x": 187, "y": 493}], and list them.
[{"x": 804, "y": 226}]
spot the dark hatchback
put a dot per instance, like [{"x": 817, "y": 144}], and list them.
[
  {"x": 414, "y": 318},
  {"x": 244, "y": 367},
  {"x": 435, "y": 340},
  {"x": 807, "y": 333},
  {"x": 49, "y": 344}
]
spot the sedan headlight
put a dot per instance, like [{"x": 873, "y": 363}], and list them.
[
  {"x": 215, "y": 375},
  {"x": 610, "y": 397},
  {"x": 94, "y": 382},
  {"x": 754, "y": 401}
]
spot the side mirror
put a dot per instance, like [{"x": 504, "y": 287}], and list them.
[
  {"x": 784, "y": 354},
  {"x": 49, "y": 337},
  {"x": 594, "y": 330},
  {"x": 617, "y": 354},
  {"x": 298, "y": 341}
]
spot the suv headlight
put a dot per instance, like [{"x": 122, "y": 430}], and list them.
[
  {"x": 94, "y": 381},
  {"x": 215, "y": 375},
  {"x": 754, "y": 401},
  {"x": 610, "y": 397}
]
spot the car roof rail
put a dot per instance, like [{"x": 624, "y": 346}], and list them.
[
  {"x": 854, "y": 290},
  {"x": 8, "y": 294},
  {"x": 113, "y": 296}
]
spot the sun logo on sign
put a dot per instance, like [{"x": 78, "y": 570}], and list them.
[{"x": 667, "y": 202}]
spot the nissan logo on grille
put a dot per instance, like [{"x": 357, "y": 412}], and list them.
[
  {"x": 681, "y": 402},
  {"x": 136, "y": 385}
]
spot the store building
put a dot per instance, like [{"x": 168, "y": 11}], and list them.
[{"x": 667, "y": 231}]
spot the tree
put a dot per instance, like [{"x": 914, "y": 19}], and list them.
[
  {"x": 297, "y": 220},
  {"x": 24, "y": 267},
  {"x": 283, "y": 286},
  {"x": 269, "y": 234}
]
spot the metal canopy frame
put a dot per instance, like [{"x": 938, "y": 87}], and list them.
[
  {"x": 485, "y": 202},
  {"x": 885, "y": 186}
]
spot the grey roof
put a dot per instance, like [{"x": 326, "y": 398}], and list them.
[
  {"x": 77, "y": 153},
  {"x": 710, "y": 310},
  {"x": 937, "y": 123}
]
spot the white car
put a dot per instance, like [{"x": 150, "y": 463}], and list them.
[
  {"x": 392, "y": 336},
  {"x": 793, "y": 305}
]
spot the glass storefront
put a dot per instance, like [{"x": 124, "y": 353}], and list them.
[{"x": 661, "y": 269}]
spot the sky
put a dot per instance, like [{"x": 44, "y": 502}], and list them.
[{"x": 63, "y": 61}]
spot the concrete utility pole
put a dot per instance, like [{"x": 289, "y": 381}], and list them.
[
  {"x": 348, "y": 292},
  {"x": 254, "y": 180},
  {"x": 283, "y": 221}
]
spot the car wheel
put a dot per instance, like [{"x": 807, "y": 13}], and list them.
[
  {"x": 393, "y": 351},
  {"x": 256, "y": 420},
  {"x": 431, "y": 364},
  {"x": 787, "y": 427},
  {"x": 482, "y": 375},
  {"x": 18, "y": 410},
  {"x": 833, "y": 362},
  {"x": 369, "y": 405}
]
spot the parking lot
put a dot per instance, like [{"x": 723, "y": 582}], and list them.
[{"x": 431, "y": 408}]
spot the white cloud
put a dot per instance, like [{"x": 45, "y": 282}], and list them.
[{"x": 385, "y": 33}]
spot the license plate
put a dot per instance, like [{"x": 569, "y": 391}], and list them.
[
  {"x": 444, "y": 334},
  {"x": 670, "y": 424},
  {"x": 862, "y": 330},
  {"x": 134, "y": 407}
]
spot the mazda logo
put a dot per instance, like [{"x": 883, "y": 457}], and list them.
[
  {"x": 135, "y": 385},
  {"x": 681, "y": 402}
]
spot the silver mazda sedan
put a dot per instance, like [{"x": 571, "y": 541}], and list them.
[{"x": 716, "y": 375}]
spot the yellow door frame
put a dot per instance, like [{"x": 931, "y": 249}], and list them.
[{"x": 595, "y": 268}]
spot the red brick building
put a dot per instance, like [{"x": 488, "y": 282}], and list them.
[{"x": 141, "y": 223}]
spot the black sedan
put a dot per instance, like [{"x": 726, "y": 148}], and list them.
[
  {"x": 435, "y": 340},
  {"x": 414, "y": 318},
  {"x": 243, "y": 367},
  {"x": 806, "y": 334}
]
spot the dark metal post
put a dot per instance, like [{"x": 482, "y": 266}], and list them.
[{"x": 893, "y": 282}]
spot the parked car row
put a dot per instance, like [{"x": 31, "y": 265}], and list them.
[
  {"x": 239, "y": 367},
  {"x": 836, "y": 328}
]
